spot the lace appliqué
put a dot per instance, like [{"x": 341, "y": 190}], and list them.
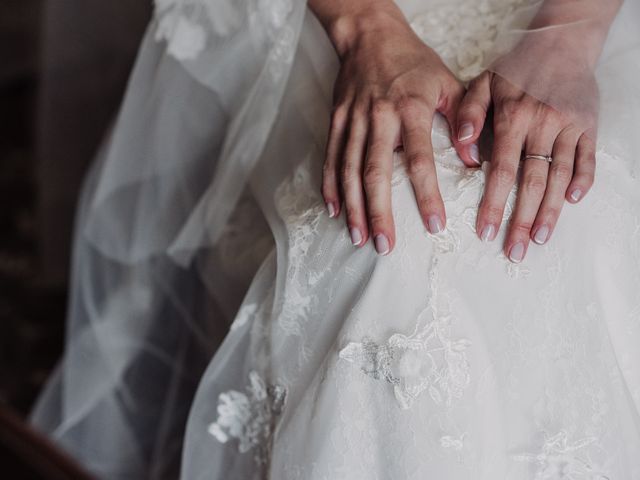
[
  {"x": 250, "y": 417},
  {"x": 184, "y": 25},
  {"x": 464, "y": 33},
  {"x": 560, "y": 458},
  {"x": 302, "y": 211},
  {"x": 461, "y": 195},
  {"x": 428, "y": 359},
  {"x": 185, "y": 38}
]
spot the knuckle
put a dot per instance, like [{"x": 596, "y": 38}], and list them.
[
  {"x": 328, "y": 169},
  {"x": 522, "y": 226},
  {"x": 585, "y": 180},
  {"x": 381, "y": 109},
  {"x": 378, "y": 219},
  {"x": 561, "y": 172},
  {"x": 493, "y": 213},
  {"x": 339, "y": 115},
  {"x": 328, "y": 192},
  {"x": 510, "y": 108},
  {"x": 349, "y": 172},
  {"x": 547, "y": 114},
  {"x": 550, "y": 212},
  {"x": 428, "y": 202},
  {"x": 353, "y": 212},
  {"x": 470, "y": 111},
  {"x": 409, "y": 105},
  {"x": 373, "y": 175},
  {"x": 504, "y": 175},
  {"x": 513, "y": 115},
  {"x": 418, "y": 164},
  {"x": 535, "y": 183}
]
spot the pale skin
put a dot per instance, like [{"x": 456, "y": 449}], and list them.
[{"x": 389, "y": 87}]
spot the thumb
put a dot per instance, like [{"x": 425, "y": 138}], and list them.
[{"x": 470, "y": 119}]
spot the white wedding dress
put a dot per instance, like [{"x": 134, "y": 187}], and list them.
[{"x": 441, "y": 360}]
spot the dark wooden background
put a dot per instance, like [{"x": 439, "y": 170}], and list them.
[{"x": 63, "y": 69}]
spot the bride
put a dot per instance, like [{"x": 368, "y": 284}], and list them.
[{"x": 352, "y": 190}]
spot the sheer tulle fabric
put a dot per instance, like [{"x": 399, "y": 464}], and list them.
[{"x": 339, "y": 364}]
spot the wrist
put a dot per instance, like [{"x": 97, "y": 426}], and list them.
[
  {"x": 349, "y": 26},
  {"x": 580, "y": 34}
]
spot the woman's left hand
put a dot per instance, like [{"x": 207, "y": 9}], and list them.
[{"x": 524, "y": 125}]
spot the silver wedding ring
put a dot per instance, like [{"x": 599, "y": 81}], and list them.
[{"x": 546, "y": 158}]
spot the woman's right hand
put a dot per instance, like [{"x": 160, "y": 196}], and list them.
[{"x": 388, "y": 89}]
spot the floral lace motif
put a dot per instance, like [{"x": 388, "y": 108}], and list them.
[
  {"x": 428, "y": 359},
  {"x": 300, "y": 208},
  {"x": 250, "y": 417},
  {"x": 184, "y": 25},
  {"x": 559, "y": 458},
  {"x": 185, "y": 38},
  {"x": 463, "y": 33}
]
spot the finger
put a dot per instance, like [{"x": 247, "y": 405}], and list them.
[
  {"x": 471, "y": 116},
  {"x": 531, "y": 190},
  {"x": 584, "y": 169},
  {"x": 509, "y": 134},
  {"x": 449, "y": 106},
  {"x": 416, "y": 134},
  {"x": 559, "y": 177},
  {"x": 377, "y": 174},
  {"x": 330, "y": 170},
  {"x": 351, "y": 176}
]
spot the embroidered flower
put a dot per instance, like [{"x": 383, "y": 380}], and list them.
[
  {"x": 559, "y": 458},
  {"x": 185, "y": 38},
  {"x": 249, "y": 417},
  {"x": 426, "y": 360},
  {"x": 464, "y": 34}
]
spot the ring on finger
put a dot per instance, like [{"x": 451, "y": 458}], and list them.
[{"x": 536, "y": 156}]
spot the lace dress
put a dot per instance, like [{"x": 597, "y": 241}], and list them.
[
  {"x": 444, "y": 359},
  {"x": 441, "y": 360}
]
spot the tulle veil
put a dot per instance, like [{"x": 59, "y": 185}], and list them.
[{"x": 174, "y": 219}]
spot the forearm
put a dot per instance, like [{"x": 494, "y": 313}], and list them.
[
  {"x": 580, "y": 27},
  {"x": 346, "y": 20}
]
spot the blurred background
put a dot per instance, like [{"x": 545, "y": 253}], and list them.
[{"x": 63, "y": 69}]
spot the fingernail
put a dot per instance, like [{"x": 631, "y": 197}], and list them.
[
  {"x": 541, "y": 235},
  {"x": 487, "y": 233},
  {"x": 474, "y": 153},
  {"x": 465, "y": 132},
  {"x": 576, "y": 194},
  {"x": 356, "y": 236},
  {"x": 331, "y": 209},
  {"x": 382, "y": 244},
  {"x": 435, "y": 224},
  {"x": 516, "y": 254}
]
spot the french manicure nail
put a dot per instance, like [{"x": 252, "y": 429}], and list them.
[
  {"x": 331, "y": 209},
  {"x": 435, "y": 224},
  {"x": 382, "y": 244},
  {"x": 576, "y": 194},
  {"x": 487, "y": 233},
  {"x": 465, "y": 132},
  {"x": 541, "y": 235},
  {"x": 356, "y": 236},
  {"x": 474, "y": 153},
  {"x": 516, "y": 254}
]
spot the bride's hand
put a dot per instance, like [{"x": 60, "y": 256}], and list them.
[
  {"x": 524, "y": 125},
  {"x": 554, "y": 62},
  {"x": 388, "y": 89}
]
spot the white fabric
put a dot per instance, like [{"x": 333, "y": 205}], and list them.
[{"x": 441, "y": 360}]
